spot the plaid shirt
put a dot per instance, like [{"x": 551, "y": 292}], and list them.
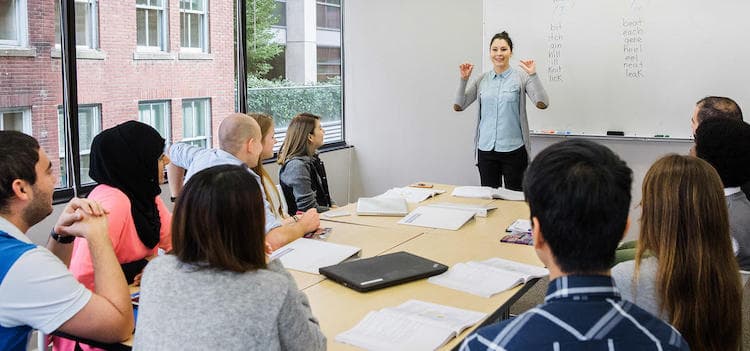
[{"x": 579, "y": 313}]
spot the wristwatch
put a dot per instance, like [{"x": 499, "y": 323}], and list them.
[{"x": 62, "y": 239}]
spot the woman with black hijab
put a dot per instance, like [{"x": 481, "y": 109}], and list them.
[{"x": 128, "y": 163}]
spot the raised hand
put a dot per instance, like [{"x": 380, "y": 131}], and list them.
[
  {"x": 529, "y": 66},
  {"x": 465, "y": 70}
]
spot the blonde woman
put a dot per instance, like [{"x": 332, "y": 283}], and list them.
[
  {"x": 302, "y": 175},
  {"x": 268, "y": 140},
  {"x": 691, "y": 278}
]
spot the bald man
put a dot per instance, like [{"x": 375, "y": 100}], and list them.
[{"x": 239, "y": 144}]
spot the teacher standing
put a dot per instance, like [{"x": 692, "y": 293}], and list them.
[{"x": 502, "y": 136}]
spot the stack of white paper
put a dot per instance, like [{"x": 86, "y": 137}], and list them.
[
  {"x": 437, "y": 217},
  {"x": 479, "y": 210},
  {"x": 410, "y": 194},
  {"x": 381, "y": 206},
  {"x": 484, "y": 192},
  {"x": 489, "y": 277},
  {"x": 309, "y": 255},
  {"x": 413, "y": 325}
]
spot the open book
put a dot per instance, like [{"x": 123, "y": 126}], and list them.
[
  {"x": 411, "y": 194},
  {"x": 488, "y": 277},
  {"x": 437, "y": 217},
  {"x": 485, "y": 192},
  {"x": 309, "y": 255},
  {"x": 413, "y": 325}
]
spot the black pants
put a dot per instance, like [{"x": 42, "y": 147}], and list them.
[{"x": 495, "y": 166}]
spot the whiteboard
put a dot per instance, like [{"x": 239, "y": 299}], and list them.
[{"x": 636, "y": 66}]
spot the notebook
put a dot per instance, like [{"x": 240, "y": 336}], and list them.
[
  {"x": 382, "y": 271},
  {"x": 308, "y": 255},
  {"x": 437, "y": 217},
  {"x": 381, "y": 206}
]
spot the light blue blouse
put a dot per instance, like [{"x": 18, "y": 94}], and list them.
[{"x": 500, "y": 125}]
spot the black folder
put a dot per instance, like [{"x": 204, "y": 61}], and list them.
[{"x": 382, "y": 271}]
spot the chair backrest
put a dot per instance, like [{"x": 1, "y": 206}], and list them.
[{"x": 282, "y": 198}]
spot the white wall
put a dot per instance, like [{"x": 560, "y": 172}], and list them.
[
  {"x": 401, "y": 66},
  {"x": 401, "y": 75}
]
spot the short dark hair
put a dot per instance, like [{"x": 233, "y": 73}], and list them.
[
  {"x": 19, "y": 154},
  {"x": 504, "y": 36},
  {"x": 219, "y": 221},
  {"x": 580, "y": 193},
  {"x": 725, "y": 144},
  {"x": 717, "y": 107}
]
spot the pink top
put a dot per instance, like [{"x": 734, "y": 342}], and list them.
[{"x": 128, "y": 247}]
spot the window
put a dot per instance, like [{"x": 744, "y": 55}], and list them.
[
  {"x": 196, "y": 122},
  {"x": 157, "y": 115},
  {"x": 13, "y": 23},
  {"x": 151, "y": 25},
  {"x": 194, "y": 25},
  {"x": 280, "y": 13},
  {"x": 329, "y": 14},
  {"x": 18, "y": 119},
  {"x": 329, "y": 63},
  {"x": 87, "y": 24},
  {"x": 284, "y": 77},
  {"x": 89, "y": 125}
]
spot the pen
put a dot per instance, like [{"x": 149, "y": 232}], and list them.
[{"x": 661, "y": 136}]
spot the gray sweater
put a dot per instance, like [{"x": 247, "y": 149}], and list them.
[
  {"x": 530, "y": 85},
  {"x": 642, "y": 294},
  {"x": 185, "y": 309}
]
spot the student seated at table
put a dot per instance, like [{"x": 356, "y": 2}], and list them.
[
  {"x": 268, "y": 140},
  {"x": 128, "y": 163},
  {"x": 240, "y": 144},
  {"x": 579, "y": 196},
  {"x": 725, "y": 144},
  {"x": 302, "y": 175},
  {"x": 36, "y": 288},
  {"x": 216, "y": 291},
  {"x": 690, "y": 278}
]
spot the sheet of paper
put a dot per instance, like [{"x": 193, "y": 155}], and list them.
[
  {"x": 309, "y": 255},
  {"x": 457, "y": 319},
  {"x": 520, "y": 225},
  {"x": 527, "y": 270},
  {"x": 481, "y": 192}
]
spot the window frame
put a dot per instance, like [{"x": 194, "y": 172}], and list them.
[
  {"x": 341, "y": 13},
  {"x": 22, "y": 27},
  {"x": 204, "y": 30},
  {"x": 207, "y": 122},
  {"x": 25, "y": 117},
  {"x": 62, "y": 142},
  {"x": 92, "y": 14},
  {"x": 163, "y": 34},
  {"x": 167, "y": 116}
]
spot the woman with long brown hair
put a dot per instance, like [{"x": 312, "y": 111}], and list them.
[
  {"x": 684, "y": 269},
  {"x": 302, "y": 175}
]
